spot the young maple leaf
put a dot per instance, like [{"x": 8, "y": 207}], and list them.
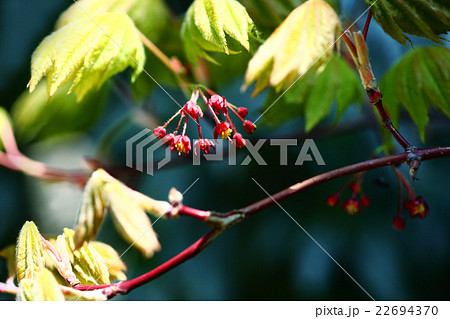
[
  {"x": 87, "y": 51},
  {"x": 207, "y": 23},
  {"x": 302, "y": 41}
]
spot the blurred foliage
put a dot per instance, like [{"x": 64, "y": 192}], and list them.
[
  {"x": 424, "y": 18},
  {"x": 314, "y": 93},
  {"x": 419, "y": 80},
  {"x": 35, "y": 117}
]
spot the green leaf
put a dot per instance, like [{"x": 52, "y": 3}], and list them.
[
  {"x": 151, "y": 17},
  {"x": 208, "y": 22},
  {"x": 420, "y": 79},
  {"x": 314, "y": 93},
  {"x": 29, "y": 252},
  {"x": 424, "y": 18},
  {"x": 87, "y": 51},
  {"x": 88, "y": 265},
  {"x": 36, "y": 118},
  {"x": 304, "y": 40}
]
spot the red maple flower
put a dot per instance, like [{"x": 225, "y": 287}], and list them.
[
  {"x": 182, "y": 144},
  {"x": 223, "y": 130},
  {"x": 352, "y": 206},
  {"x": 203, "y": 144},
  {"x": 218, "y": 103},
  {"x": 417, "y": 207},
  {"x": 192, "y": 109}
]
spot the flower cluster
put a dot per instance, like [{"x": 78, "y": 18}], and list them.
[
  {"x": 415, "y": 205},
  {"x": 351, "y": 205},
  {"x": 225, "y": 129}
]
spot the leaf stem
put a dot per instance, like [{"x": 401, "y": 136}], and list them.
[
  {"x": 173, "y": 64},
  {"x": 366, "y": 26}
]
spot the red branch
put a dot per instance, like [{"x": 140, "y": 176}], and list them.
[{"x": 126, "y": 286}]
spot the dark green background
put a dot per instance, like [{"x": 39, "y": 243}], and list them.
[{"x": 267, "y": 257}]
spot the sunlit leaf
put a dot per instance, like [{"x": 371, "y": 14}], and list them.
[
  {"x": 127, "y": 208},
  {"x": 424, "y": 18},
  {"x": 130, "y": 219},
  {"x": 29, "y": 252},
  {"x": 26, "y": 290},
  {"x": 87, "y": 51},
  {"x": 419, "y": 80},
  {"x": 46, "y": 288},
  {"x": 112, "y": 260},
  {"x": 87, "y": 263},
  {"x": 92, "y": 209},
  {"x": 304, "y": 40},
  {"x": 208, "y": 23},
  {"x": 149, "y": 16}
]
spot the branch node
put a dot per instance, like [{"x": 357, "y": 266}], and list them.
[{"x": 413, "y": 161}]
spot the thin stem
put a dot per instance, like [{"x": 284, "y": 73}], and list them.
[
  {"x": 405, "y": 183},
  {"x": 366, "y": 26},
  {"x": 387, "y": 123},
  {"x": 193, "y": 212},
  {"x": 176, "y": 71},
  {"x": 158, "y": 53},
  {"x": 424, "y": 154}
]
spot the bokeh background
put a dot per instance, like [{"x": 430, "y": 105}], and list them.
[{"x": 267, "y": 257}]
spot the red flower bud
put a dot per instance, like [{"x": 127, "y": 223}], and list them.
[
  {"x": 168, "y": 139},
  {"x": 159, "y": 132},
  {"x": 365, "y": 201},
  {"x": 332, "y": 200},
  {"x": 249, "y": 127},
  {"x": 399, "y": 222},
  {"x": 352, "y": 206},
  {"x": 243, "y": 111},
  {"x": 239, "y": 140}
]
